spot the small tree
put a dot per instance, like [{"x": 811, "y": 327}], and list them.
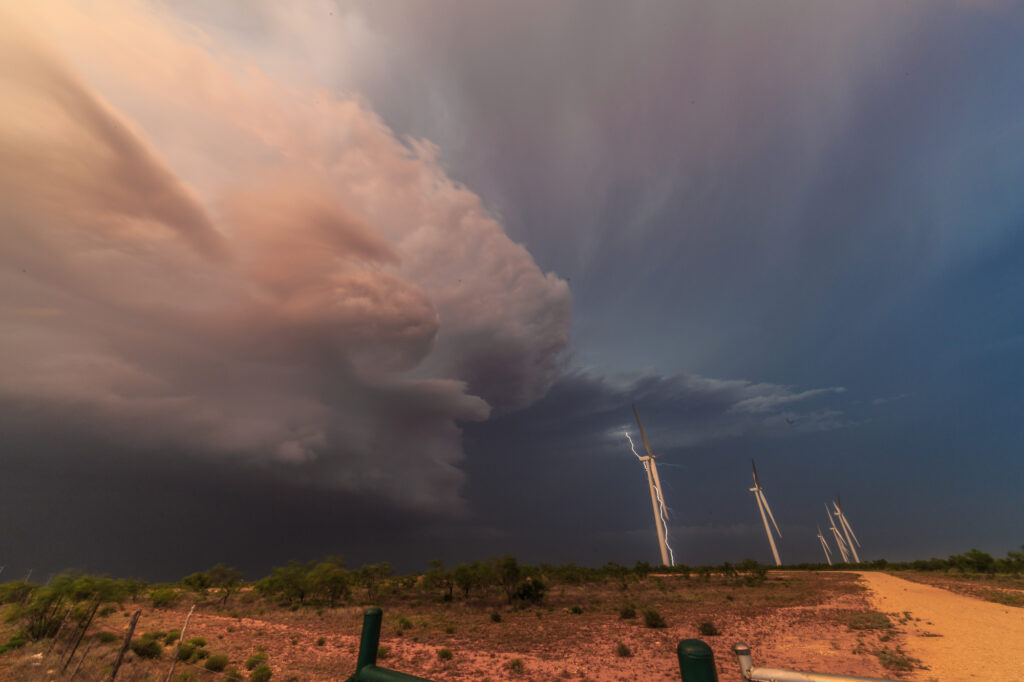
[
  {"x": 438, "y": 577},
  {"x": 227, "y": 580},
  {"x": 468, "y": 576},
  {"x": 508, "y": 574},
  {"x": 330, "y": 580},
  {"x": 371, "y": 575}
]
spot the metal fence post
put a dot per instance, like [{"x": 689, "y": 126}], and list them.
[
  {"x": 696, "y": 661},
  {"x": 370, "y": 640}
]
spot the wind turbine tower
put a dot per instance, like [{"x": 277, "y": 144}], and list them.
[
  {"x": 762, "y": 505},
  {"x": 657, "y": 500},
  {"x": 824, "y": 546},
  {"x": 845, "y": 525},
  {"x": 838, "y": 536}
]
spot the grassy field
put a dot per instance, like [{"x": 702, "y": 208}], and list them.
[{"x": 595, "y": 630}]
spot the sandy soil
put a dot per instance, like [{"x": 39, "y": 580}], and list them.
[{"x": 957, "y": 637}]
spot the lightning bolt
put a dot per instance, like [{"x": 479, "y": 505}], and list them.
[{"x": 661, "y": 502}]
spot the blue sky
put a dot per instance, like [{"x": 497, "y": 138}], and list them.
[{"x": 790, "y": 232}]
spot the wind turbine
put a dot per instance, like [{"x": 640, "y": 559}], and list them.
[
  {"x": 657, "y": 500},
  {"x": 824, "y": 546},
  {"x": 762, "y": 505},
  {"x": 838, "y": 537},
  {"x": 850, "y": 537}
]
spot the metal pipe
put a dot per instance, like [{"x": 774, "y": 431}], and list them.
[{"x": 750, "y": 673}]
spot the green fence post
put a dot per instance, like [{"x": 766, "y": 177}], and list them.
[
  {"x": 370, "y": 640},
  {"x": 696, "y": 661}
]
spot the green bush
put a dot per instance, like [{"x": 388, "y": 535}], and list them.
[
  {"x": 530, "y": 591},
  {"x": 444, "y": 654},
  {"x": 255, "y": 660},
  {"x": 261, "y": 674},
  {"x": 623, "y": 651},
  {"x": 172, "y": 637},
  {"x": 17, "y": 640},
  {"x": 217, "y": 663},
  {"x": 627, "y": 612},
  {"x": 321, "y": 641},
  {"x": 163, "y": 598},
  {"x": 516, "y": 665},
  {"x": 708, "y": 629},
  {"x": 185, "y": 652},
  {"x": 382, "y": 652},
  {"x": 653, "y": 619},
  {"x": 197, "y": 642},
  {"x": 576, "y": 610},
  {"x": 106, "y": 637},
  {"x": 147, "y": 648}
]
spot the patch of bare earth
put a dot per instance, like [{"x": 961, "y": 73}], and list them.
[
  {"x": 799, "y": 620},
  {"x": 958, "y": 637}
]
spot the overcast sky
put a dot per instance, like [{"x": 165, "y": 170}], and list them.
[{"x": 381, "y": 279}]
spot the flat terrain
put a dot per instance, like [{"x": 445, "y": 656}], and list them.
[
  {"x": 957, "y": 636},
  {"x": 801, "y": 620}
]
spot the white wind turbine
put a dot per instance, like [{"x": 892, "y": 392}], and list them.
[
  {"x": 762, "y": 505},
  {"x": 851, "y": 539},
  {"x": 824, "y": 546},
  {"x": 838, "y": 537},
  {"x": 657, "y": 500}
]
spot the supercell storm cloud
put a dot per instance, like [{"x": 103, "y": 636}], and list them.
[{"x": 213, "y": 260}]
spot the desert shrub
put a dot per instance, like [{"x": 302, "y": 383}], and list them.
[
  {"x": 199, "y": 655},
  {"x": 495, "y": 617},
  {"x": 321, "y": 641},
  {"x": 404, "y": 623},
  {"x": 106, "y": 611},
  {"x": 444, "y": 654},
  {"x": 17, "y": 640},
  {"x": 708, "y": 629},
  {"x": 163, "y": 598},
  {"x": 106, "y": 637},
  {"x": 15, "y": 592},
  {"x": 197, "y": 642},
  {"x": 451, "y": 628},
  {"x": 217, "y": 662},
  {"x": 255, "y": 660},
  {"x": 515, "y": 665},
  {"x": 172, "y": 637},
  {"x": 623, "y": 651},
  {"x": 382, "y": 652},
  {"x": 147, "y": 648},
  {"x": 233, "y": 673},
  {"x": 576, "y": 610},
  {"x": 866, "y": 620},
  {"x": 627, "y": 612},
  {"x": 530, "y": 591},
  {"x": 185, "y": 652},
  {"x": 653, "y": 619},
  {"x": 261, "y": 674}
]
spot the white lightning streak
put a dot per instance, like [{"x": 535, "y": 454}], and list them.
[{"x": 661, "y": 502}]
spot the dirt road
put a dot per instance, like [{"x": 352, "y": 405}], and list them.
[{"x": 957, "y": 637}]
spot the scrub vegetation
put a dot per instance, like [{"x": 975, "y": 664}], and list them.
[{"x": 302, "y": 621}]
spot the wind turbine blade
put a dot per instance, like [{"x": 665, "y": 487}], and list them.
[
  {"x": 757, "y": 482},
  {"x": 643, "y": 434},
  {"x": 770, "y": 515},
  {"x": 846, "y": 525}
]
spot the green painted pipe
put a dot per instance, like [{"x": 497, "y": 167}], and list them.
[
  {"x": 696, "y": 661},
  {"x": 370, "y": 640}
]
